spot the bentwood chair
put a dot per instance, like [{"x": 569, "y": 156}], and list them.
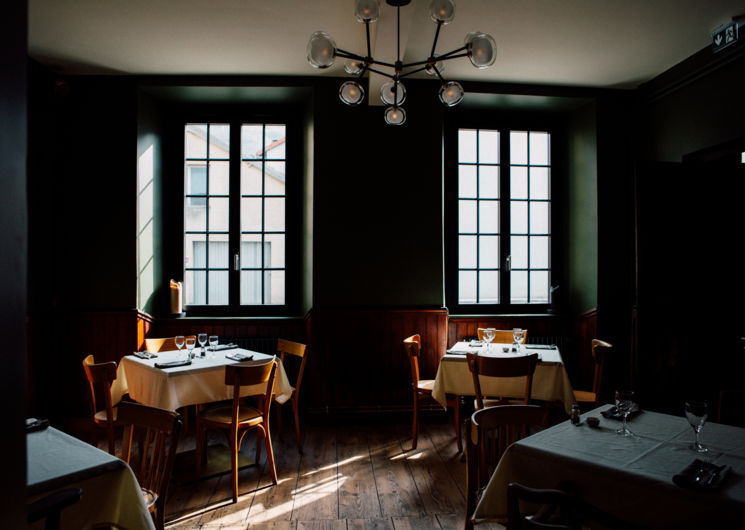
[
  {"x": 600, "y": 349},
  {"x": 286, "y": 348},
  {"x": 236, "y": 419},
  {"x": 100, "y": 378},
  {"x": 155, "y": 345},
  {"x": 502, "y": 336},
  {"x": 422, "y": 389},
  {"x": 157, "y": 432},
  {"x": 488, "y": 433},
  {"x": 517, "y": 366}
]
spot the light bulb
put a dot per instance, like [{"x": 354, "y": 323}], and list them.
[
  {"x": 367, "y": 10},
  {"x": 321, "y": 50},
  {"x": 442, "y": 11},
  {"x": 395, "y": 115},
  {"x": 351, "y": 93},
  {"x": 393, "y": 93},
  {"x": 451, "y": 93},
  {"x": 482, "y": 50}
]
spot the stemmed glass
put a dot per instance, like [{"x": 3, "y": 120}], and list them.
[
  {"x": 696, "y": 413},
  {"x": 489, "y": 334},
  {"x": 202, "y": 338},
  {"x": 624, "y": 402},
  {"x": 190, "y": 343},
  {"x": 213, "y": 345},
  {"x": 179, "y": 341},
  {"x": 517, "y": 336}
]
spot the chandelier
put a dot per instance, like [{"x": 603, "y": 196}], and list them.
[{"x": 479, "y": 47}]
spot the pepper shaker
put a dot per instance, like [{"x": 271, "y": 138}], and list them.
[{"x": 575, "y": 414}]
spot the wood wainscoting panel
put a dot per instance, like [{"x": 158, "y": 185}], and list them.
[{"x": 463, "y": 327}]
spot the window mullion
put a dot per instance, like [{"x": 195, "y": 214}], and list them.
[
  {"x": 505, "y": 229},
  {"x": 234, "y": 216}
]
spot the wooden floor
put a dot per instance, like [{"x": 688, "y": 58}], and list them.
[{"x": 349, "y": 477}]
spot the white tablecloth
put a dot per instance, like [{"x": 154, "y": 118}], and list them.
[
  {"x": 111, "y": 493},
  {"x": 201, "y": 382},
  {"x": 630, "y": 477},
  {"x": 550, "y": 380}
]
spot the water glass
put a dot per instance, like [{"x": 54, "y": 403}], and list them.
[
  {"x": 624, "y": 404},
  {"x": 213, "y": 345},
  {"x": 697, "y": 413}
]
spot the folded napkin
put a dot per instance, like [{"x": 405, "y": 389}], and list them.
[
  {"x": 540, "y": 346},
  {"x": 476, "y": 343},
  {"x": 613, "y": 414},
  {"x": 230, "y": 346},
  {"x": 33, "y": 424},
  {"x": 701, "y": 475},
  {"x": 238, "y": 356},
  {"x": 172, "y": 364},
  {"x": 144, "y": 355}
]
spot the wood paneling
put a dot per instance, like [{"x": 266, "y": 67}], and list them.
[{"x": 460, "y": 328}]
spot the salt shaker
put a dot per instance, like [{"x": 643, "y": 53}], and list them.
[{"x": 575, "y": 414}]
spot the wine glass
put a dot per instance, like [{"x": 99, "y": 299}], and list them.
[
  {"x": 202, "y": 338},
  {"x": 213, "y": 345},
  {"x": 190, "y": 343},
  {"x": 179, "y": 341},
  {"x": 624, "y": 402},
  {"x": 489, "y": 334},
  {"x": 517, "y": 337},
  {"x": 696, "y": 413}
]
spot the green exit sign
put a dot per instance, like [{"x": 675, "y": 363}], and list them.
[{"x": 724, "y": 36}]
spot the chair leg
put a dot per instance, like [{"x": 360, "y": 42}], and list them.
[
  {"x": 458, "y": 426},
  {"x": 295, "y": 410},
  {"x": 234, "y": 463},
  {"x": 112, "y": 443},
  {"x": 415, "y": 422},
  {"x": 270, "y": 455}
]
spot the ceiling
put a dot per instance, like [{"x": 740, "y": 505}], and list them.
[{"x": 594, "y": 43}]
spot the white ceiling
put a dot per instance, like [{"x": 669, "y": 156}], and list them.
[{"x": 599, "y": 43}]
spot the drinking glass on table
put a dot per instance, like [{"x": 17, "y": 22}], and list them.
[
  {"x": 517, "y": 337},
  {"x": 202, "y": 338},
  {"x": 179, "y": 341},
  {"x": 190, "y": 343},
  {"x": 489, "y": 334},
  {"x": 624, "y": 403},
  {"x": 213, "y": 345},
  {"x": 697, "y": 413}
]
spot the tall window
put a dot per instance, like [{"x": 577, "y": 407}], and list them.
[
  {"x": 501, "y": 209},
  {"x": 235, "y": 215}
]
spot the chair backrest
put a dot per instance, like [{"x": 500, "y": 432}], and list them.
[
  {"x": 413, "y": 347},
  {"x": 556, "y": 509},
  {"x": 157, "y": 433},
  {"x": 514, "y": 366},
  {"x": 287, "y": 347},
  {"x": 100, "y": 377},
  {"x": 155, "y": 345},
  {"x": 489, "y": 432},
  {"x": 238, "y": 375},
  {"x": 503, "y": 336},
  {"x": 599, "y": 351}
]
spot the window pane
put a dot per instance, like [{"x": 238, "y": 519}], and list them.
[
  {"x": 251, "y": 141},
  {"x": 519, "y": 252},
  {"x": 518, "y": 147},
  {"x": 489, "y": 182},
  {"x": 274, "y": 215},
  {"x": 467, "y": 145},
  {"x": 250, "y": 287},
  {"x": 466, "y": 181},
  {"x": 489, "y": 252},
  {"x": 195, "y": 218},
  {"x": 539, "y": 146},
  {"x": 196, "y": 179},
  {"x": 218, "y": 287},
  {"x": 274, "y": 251},
  {"x": 539, "y": 183},
  {"x": 489, "y": 217},
  {"x": 251, "y": 214},
  {"x": 538, "y": 217},
  {"x": 467, "y": 252},
  {"x": 275, "y": 178},
  {"x": 218, "y": 252},
  {"x": 251, "y": 251},
  {"x": 219, "y": 141},
  {"x": 275, "y": 142},
  {"x": 251, "y": 177},
  {"x": 195, "y": 251},
  {"x": 219, "y": 178},
  {"x": 488, "y": 147},
  {"x": 488, "y": 287},
  {"x": 467, "y": 216},
  {"x": 519, "y": 182},
  {"x": 539, "y": 287},
  {"x": 539, "y": 252},
  {"x": 519, "y": 287},
  {"x": 519, "y": 217},
  {"x": 467, "y": 287},
  {"x": 196, "y": 140},
  {"x": 218, "y": 215},
  {"x": 195, "y": 287},
  {"x": 274, "y": 287}
]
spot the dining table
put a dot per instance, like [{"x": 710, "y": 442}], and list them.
[
  {"x": 201, "y": 381},
  {"x": 110, "y": 496},
  {"x": 550, "y": 379},
  {"x": 644, "y": 478}
]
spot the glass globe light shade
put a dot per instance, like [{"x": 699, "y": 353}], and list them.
[
  {"x": 321, "y": 50},
  {"x": 395, "y": 115},
  {"x": 430, "y": 69},
  {"x": 392, "y": 93},
  {"x": 367, "y": 10},
  {"x": 442, "y": 11},
  {"x": 451, "y": 93},
  {"x": 482, "y": 50},
  {"x": 351, "y": 93},
  {"x": 353, "y": 67}
]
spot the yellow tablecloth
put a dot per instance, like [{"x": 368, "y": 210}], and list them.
[
  {"x": 550, "y": 380},
  {"x": 201, "y": 382}
]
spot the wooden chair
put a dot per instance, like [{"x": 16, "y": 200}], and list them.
[
  {"x": 155, "y": 345},
  {"x": 517, "y": 366},
  {"x": 100, "y": 378},
  {"x": 422, "y": 389},
  {"x": 488, "y": 433},
  {"x": 558, "y": 510},
  {"x": 157, "y": 432},
  {"x": 236, "y": 419},
  {"x": 502, "y": 336},
  {"x": 50, "y": 507},
  {"x": 284, "y": 348},
  {"x": 599, "y": 350}
]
